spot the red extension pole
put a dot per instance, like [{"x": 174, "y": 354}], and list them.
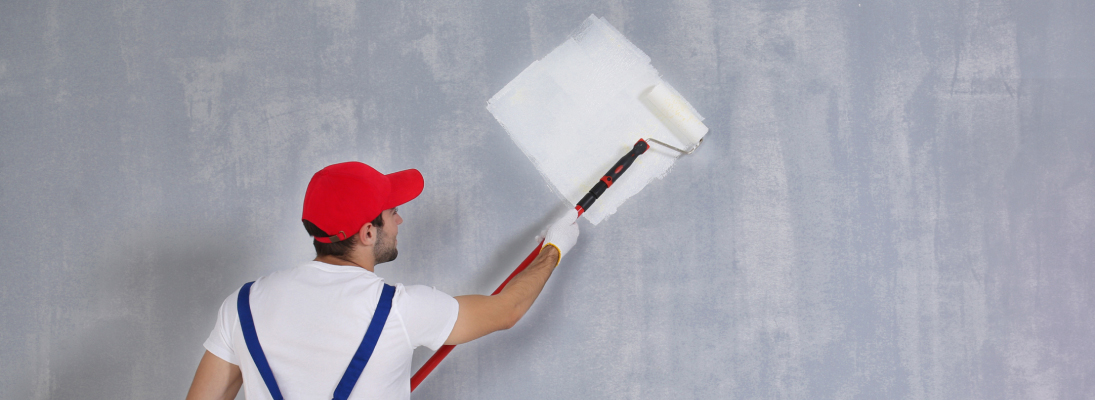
[
  {"x": 606, "y": 181},
  {"x": 444, "y": 350}
]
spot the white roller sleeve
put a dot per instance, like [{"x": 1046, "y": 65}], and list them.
[{"x": 675, "y": 113}]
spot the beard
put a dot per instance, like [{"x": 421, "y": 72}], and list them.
[{"x": 384, "y": 250}]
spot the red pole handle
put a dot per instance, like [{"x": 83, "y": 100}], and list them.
[
  {"x": 446, "y": 349},
  {"x": 613, "y": 173}
]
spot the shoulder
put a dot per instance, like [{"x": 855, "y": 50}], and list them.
[
  {"x": 419, "y": 295},
  {"x": 228, "y": 306},
  {"x": 427, "y": 314},
  {"x": 220, "y": 340}
]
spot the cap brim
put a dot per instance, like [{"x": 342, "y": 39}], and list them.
[{"x": 406, "y": 185}]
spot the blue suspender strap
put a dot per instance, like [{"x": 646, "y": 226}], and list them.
[
  {"x": 365, "y": 350},
  {"x": 357, "y": 364},
  {"x": 243, "y": 308}
]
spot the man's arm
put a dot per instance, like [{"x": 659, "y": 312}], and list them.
[
  {"x": 481, "y": 315},
  {"x": 215, "y": 379}
]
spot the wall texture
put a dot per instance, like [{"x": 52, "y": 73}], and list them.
[{"x": 897, "y": 198}]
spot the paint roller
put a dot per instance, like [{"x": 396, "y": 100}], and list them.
[{"x": 676, "y": 114}]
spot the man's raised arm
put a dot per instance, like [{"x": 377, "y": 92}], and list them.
[{"x": 480, "y": 315}]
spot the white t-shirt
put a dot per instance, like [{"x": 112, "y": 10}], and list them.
[{"x": 310, "y": 321}]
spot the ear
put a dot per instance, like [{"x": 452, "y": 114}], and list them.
[{"x": 367, "y": 234}]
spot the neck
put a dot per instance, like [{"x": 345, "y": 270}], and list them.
[{"x": 348, "y": 261}]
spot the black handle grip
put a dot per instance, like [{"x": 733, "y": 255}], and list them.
[{"x": 612, "y": 175}]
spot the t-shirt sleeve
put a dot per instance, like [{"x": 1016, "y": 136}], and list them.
[
  {"x": 220, "y": 339},
  {"x": 427, "y": 313}
]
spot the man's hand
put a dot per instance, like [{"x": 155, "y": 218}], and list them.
[{"x": 563, "y": 234}]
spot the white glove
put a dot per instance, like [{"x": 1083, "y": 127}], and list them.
[{"x": 563, "y": 233}]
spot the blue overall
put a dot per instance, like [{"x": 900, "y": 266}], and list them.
[{"x": 357, "y": 364}]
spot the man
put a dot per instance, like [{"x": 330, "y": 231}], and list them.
[{"x": 331, "y": 327}]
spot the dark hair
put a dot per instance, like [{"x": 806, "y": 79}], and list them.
[{"x": 340, "y": 248}]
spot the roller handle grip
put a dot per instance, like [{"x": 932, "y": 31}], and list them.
[{"x": 610, "y": 177}]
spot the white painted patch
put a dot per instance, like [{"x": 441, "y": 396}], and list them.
[{"x": 578, "y": 110}]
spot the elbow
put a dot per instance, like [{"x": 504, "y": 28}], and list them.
[
  {"x": 511, "y": 320},
  {"x": 508, "y": 311}
]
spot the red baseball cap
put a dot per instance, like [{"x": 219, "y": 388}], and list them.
[{"x": 343, "y": 197}]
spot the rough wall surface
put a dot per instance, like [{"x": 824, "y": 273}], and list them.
[{"x": 896, "y": 200}]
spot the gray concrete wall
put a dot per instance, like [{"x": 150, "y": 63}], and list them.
[{"x": 896, "y": 200}]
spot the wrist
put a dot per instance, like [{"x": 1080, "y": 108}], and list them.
[{"x": 550, "y": 252}]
